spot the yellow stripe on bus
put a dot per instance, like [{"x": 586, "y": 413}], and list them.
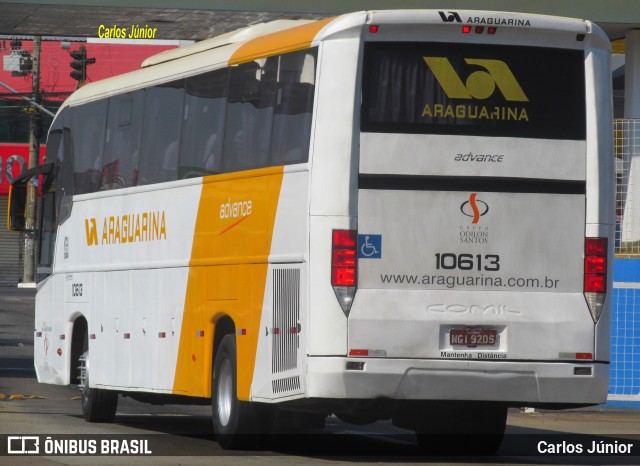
[
  {"x": 289, "y": 40},
  {"x": 227, "y": 274}
]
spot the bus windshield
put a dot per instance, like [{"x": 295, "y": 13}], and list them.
[{"x": 473, "y": 89}]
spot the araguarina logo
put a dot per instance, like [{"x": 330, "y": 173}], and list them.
[
  {"x": 449, "y": 16},
  {"x": 480, "y": 84},
  {"x": 470, "y": 208}
]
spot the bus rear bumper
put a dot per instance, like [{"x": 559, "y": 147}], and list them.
[{"x": 412, "y": 379}]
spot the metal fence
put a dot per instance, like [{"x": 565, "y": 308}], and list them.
[{"x": 627, "y": 151}]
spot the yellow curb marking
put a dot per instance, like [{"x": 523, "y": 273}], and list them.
[{"x": 21, "y": 397}]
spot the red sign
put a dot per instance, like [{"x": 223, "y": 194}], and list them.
[
  {"x": 55, "y": 65},
  {"x": 14, "y": 159}
]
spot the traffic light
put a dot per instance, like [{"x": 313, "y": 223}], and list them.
[{"x": 79, "y": 64}]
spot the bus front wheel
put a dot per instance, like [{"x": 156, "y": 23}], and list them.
[
  {"x": 98, "y": 405},
  {"x": 236, "y": 423}
]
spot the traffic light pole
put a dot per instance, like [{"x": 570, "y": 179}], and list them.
[
  {"x": 79, "y": 64},
  {"x": 28, "y": 275}
]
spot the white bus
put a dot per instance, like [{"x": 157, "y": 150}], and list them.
[{"x": 398, "y": 215}]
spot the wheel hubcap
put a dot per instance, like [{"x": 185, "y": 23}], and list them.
[{"x": 225, "y": 392}]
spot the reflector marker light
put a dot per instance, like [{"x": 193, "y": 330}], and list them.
[
  {"x": 584, "y": 355},
  {"x": 275, "y": 330},
  {"x": 466, "y": 29},
  {"x": 62, "y": 337},
  {"x": 242, "y": 331},
  {"x": 372, "y": 353},
  {"x": 92, "y": 336},
  {"x": 59, "y": 351},
  {"x": 200, "y": 333},
  {"x": 373, "y": 28},
  {"x": 127, "y": 336},
  {"x": 162, "y": 335},
  {"x": 492, "y": 30},
  {"x": 479, "y": 29},
  {"x": 38, "y": 334}
]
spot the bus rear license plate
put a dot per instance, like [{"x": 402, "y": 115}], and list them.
[{"x": 472, "y": 337}]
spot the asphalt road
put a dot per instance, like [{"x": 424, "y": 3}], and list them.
[{"x": 183, "y": 434}]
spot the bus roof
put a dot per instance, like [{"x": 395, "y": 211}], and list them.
[{"x": 283, "y": 36}]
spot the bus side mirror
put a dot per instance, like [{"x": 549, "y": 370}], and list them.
[{"x": 17, "y": 220}]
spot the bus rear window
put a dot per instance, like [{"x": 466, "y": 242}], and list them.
[{"x": 473, "y": 89}]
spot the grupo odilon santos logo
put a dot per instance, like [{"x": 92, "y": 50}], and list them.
[{"x": 474, "y": 208}]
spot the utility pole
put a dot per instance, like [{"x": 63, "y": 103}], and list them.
[{"x": 35, "y": 124}]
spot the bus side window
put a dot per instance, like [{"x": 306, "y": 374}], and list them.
[
  {"x": 249, "y": 114},
  {"x": 203, "y": 124},
  {"x": 122, "y": 150},
  {"x": 50, "y": 202},
  {"x": 88, "y": 125},
  {"x": 57, "y": 191},
  {"x": 293, "y": 109},
  {"x": 161, "y": 133}
]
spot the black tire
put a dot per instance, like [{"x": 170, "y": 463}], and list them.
[
  {"x": 98, "y": 405},
  {"x": 473, "y": 430},
  {"x": 236, "y": 424}
]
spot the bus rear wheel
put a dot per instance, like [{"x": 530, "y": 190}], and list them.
[
  {"x": 470, "y": 430},
  {"x": 98, "y": 405},
  {"x": 236, "y": 424}
]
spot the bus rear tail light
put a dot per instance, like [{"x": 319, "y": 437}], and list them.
[
  {"x": 344, "y": 266},
  {"x": 595, "y": 274}
]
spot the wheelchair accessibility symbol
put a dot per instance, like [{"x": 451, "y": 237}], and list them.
[{"x": 369, "y": 246}]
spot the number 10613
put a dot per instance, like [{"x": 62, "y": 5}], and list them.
[{"x": 480, "y": 262}]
